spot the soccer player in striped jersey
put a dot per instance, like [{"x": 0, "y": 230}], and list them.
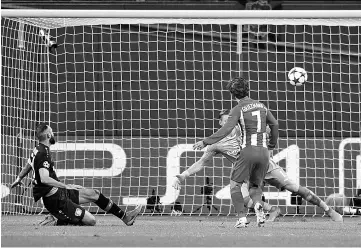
[
  {"x": 252, "y": 163},
  {"x": 276, "y": 176},
  {"x": 229, "y": 147}
]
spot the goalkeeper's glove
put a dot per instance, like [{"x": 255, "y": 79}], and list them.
[
  {"x": 179, "y": 179},
  {"x": 16, "y": 182}
]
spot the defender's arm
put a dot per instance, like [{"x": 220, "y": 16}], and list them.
[{"x": 21, "y": 175}]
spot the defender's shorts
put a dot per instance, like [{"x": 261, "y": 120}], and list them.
[
  {"x": 64, "y": 205},
  {"x": 279, "y": 179},
  {"x": 251, "y": 165}
]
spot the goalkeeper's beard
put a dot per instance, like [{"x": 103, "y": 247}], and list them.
[{"x": 52, "y": 140}]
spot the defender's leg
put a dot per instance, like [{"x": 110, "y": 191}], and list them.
[{"x": 95, "y": 196}]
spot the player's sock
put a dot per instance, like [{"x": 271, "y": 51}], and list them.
[
  {"x": 109, "y": 206},
  {"x": 260, "y": 214},
  {"x": 238, "y": 201},
  {"x": 309, "y": 196},
  {"x": 249, "y": 203},
  {"x": 256, "y": 194}
]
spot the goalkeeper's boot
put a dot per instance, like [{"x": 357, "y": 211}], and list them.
[
  {"x": 334, "y": 215},
  {"x": 129, "y": 217},
  {"x": 274, "y": 213},
  {"x": 49, "y": 220},
  {"x": 261, "y": 217},
  {"x": 241, "y": 223}
]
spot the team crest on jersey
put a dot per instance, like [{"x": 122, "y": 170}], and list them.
[
  {"x": 46, "y": 164},
  {"x": 233, "y": 152},
  {"x": 78, "y": 212}
]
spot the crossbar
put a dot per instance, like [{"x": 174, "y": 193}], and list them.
[{"x": 192, "y": 14}]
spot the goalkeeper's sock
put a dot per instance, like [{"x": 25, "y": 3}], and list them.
[
  {"x": 109, "y": 206},
  {"x": 309, "y": 196}
]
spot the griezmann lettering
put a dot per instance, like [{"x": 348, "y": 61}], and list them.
[{"x": 252, "y": 106}]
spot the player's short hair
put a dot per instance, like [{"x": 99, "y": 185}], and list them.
[
  {"x": 238, "y": 87},
  {"x": 40, "y": 131},
  {"x": 223, "y": 112}
]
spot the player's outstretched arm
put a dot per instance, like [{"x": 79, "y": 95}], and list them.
[
  {"x": 273, "y": 124},
  {"x": 21, "y": 175},
  {"x": 197, "y": 166}
]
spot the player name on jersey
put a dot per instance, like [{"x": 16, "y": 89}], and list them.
[{"x": 250, "y": 106}]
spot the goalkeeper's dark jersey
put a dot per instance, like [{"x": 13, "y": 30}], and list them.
[{"x": 41, "y": 158}]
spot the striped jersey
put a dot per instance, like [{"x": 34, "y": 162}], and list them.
[
  {"x": 251, "y": 115},
  {"x": 229, "y": 147},
  {"x": 252, "y": 120}
]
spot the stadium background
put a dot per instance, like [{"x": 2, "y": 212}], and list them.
[{"x": 151, "y": 90}]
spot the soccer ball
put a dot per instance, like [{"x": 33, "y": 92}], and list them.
[
  {"x": 297, "y": 76},
  {"x": 338, "y": 202}
]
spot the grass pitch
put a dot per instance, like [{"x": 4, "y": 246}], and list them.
[{"x": 184, "y": 231}]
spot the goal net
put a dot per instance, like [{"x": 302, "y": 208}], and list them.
[{"x": 128, "y": 96}]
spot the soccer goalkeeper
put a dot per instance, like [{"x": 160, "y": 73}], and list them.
[
  {"x": 63, "y": 201},
  {"x": 276, "y": 176}
]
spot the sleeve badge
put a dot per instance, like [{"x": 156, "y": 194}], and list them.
[
  {"x": 78, "y": 212},
  {"x": 46, "y": 164}
]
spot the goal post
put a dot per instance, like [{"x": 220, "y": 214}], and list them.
[
  {"x": 128, "y": 92},
  {"x": 24, "y": 102}
]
